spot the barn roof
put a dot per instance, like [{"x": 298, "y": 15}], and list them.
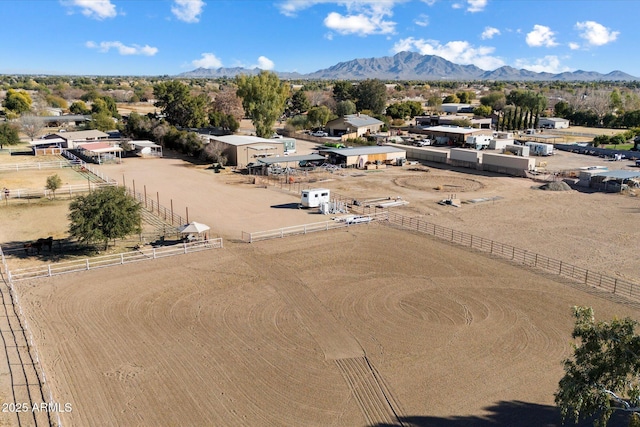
[{"x": 363, "y": 151}]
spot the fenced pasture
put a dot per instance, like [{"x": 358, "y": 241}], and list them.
[
  {"x": 143, "y": 253},
  {"x": 614, "y": 285}
]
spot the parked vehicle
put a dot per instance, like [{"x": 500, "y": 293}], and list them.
[
  {"x": 422, "y": 142},
  {"x": 319, "y": 133}
]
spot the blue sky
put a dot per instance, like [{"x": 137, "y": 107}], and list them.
[{"x": 167, "y": 37}]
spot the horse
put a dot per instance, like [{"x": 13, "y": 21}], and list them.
[
  {"x": 37, "y": 246},
  {"x": 48, "y": 242}
]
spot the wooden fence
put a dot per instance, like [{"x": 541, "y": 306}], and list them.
[
  {"x": 142, "y": 254},
  {"x": 614, "y": 285}
]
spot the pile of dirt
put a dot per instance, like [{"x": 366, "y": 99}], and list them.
[{"x": 556, "y": 186}]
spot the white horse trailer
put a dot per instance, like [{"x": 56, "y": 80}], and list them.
[{"x": 314, "y": 197}]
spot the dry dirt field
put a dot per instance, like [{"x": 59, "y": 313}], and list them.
[{"x": 329, "y": 328}]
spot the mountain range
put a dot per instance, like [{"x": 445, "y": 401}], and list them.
[{"x": 414, "y": 66}]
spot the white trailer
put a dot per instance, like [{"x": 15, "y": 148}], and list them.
[
  {"x": 540, "y": 148},
  {"x": 479, "y": 142},
  {"x": 314, "y": 197}
]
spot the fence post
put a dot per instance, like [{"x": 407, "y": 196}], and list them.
[
  {"x": 491, "y": 247},
  {"x": 586, "y": 277},
  {"x": 49, "y": 269},
  {"x": 121, "y": 258},
  {"x": 87, "y": 263},
  {"x": 615, "y": 285},
  {"x": 560, "y": 272},
  {"x": 185, "y": 248},
  {"x": 154, "y": 252}
]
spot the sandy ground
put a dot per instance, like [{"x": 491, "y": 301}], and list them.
[{"x": 328, "y": 328}]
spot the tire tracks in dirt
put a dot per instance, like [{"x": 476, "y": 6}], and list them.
[{"x": 365, "y": 384}]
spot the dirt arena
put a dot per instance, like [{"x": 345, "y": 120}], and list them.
[{"x": 329, "y": 328}]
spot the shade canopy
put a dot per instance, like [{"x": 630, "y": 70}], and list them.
[{"x": 194, "y": 227}]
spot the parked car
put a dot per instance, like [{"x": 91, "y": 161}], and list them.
[
  {"x": 319, "y": 133},
  {"x": 422, "y": 143}
]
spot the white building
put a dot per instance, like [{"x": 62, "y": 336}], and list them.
[{"x": 553, "y": 123}]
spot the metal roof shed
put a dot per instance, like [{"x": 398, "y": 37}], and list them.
[
  {"x": 615, "y": 180},
  {"x": 359, "y": 156}
]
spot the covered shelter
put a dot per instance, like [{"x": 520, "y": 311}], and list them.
[
  {"x": 361, "y": 156},
  {"x": 101, "y": 152},
  {"x": 243, "y": 149},
  {"x": 453, "y": 135},
  {"x": 146, "y": 148},
  {"x": 47, "y": 146},
  {"x": 194, "y": 228},
  {"x": 615, "y": 180},
  {"x": 72, "y": 139},
  {"x": 265, "y": 165}
]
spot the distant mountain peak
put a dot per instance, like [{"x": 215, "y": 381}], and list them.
[{"x": 408, "y": 65}]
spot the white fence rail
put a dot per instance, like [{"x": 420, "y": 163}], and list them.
[
  {"x": 346, "y": 221},
  {"x": 142, "y": 254},
  {"x": 70, "y": 190},
  {"x": 59, "y": 164}
]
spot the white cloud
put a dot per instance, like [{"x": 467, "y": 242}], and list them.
[
  {"x": 422, "y": 20},
  {"x": 596, "y": 34},
  {"x": 476, "y": 5},
  {"x": 360, "y": 24},
  {"x": 265, "y": 63},
  {"x": 574, "y": 46},
  {"x": 489, "y": 32},
  {"x": 459, "y": 52},
  {"x": 96, "y": 9},
  {"x": 122, "y": 49},
  {"x": 541, "y": 36},
  {"x": 208, "y": 60},
  {"x": 457, "y": 6},
  {"x": 188, "y": 10},
  {"x": 429, "y": 2},
  {"x": 548, "y": 64}
]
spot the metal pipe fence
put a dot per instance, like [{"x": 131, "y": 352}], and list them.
[
  {"x": 278, "y": 233},
  {"x": 141, "y": 254},
  {"x": 33, "y": 356},
  {"x": 614, "y": 285}
]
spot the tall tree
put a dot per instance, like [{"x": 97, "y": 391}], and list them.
[
  {"x": 106, "y": 214},
  {"x": 604, "y": 373},
  {"x": 31, "y": 125},
  {"x": 344, "y": 108},
  {"x": 343, "y": 91},
  {"x": 318, "y": 116},
  {"x": 227, "y": 102},
  {"x": 8, "y": 135},
  {"x": 371, "y": 94},
  {"x": 179, "y": 106},
  {"x": 298, "y": 103},
  {"x": 263, "y": 98}
]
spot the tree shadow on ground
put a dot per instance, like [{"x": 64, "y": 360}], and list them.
[{"x": 508, "y": 414}]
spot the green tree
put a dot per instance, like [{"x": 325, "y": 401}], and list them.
[
  {"x": 263, "y": 98},
  {"x": 562, "y": 109},
  {"x": 482, "y": 111},
  {"x": 17, "y": 101},
  {"x": 225, "y": 121},
  {"x": 343, "y": 91},
  {"x": 79, "y": 107},
  {"x": 8, "y": 135},
  {"x": 344, "y": 108},
  {"x": 495, "y": 100},
  {"x": 399, "y": 110},
  {"x": 299, "y": 103},
  {"x": 102, "y": 121},
  {"x": 106, "y": 214},
  {"x": 371, "y": 95},
  {"x": 603, "y": 374},
  {"x": 179, "y": 106},
  {"x": 53, "y": 183},
  {"x": 318, "y": 116},
  {"x": 451, "y": 99}
]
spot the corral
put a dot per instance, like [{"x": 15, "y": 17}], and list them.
[{"x": 330, "y": 328}]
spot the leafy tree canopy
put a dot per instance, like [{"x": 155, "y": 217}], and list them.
[
  {"x": 179, "y": 106},
  {"x": 17, "y": 101},
  {"x": 263, "y": 99},
  {"x": 603, "y": 374},
  {"x": 8, "y": 135},
  {"x": 371, "y": 95},
  {"x": 344, "y": 108},
  {"x": 107, "y": 213}
]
